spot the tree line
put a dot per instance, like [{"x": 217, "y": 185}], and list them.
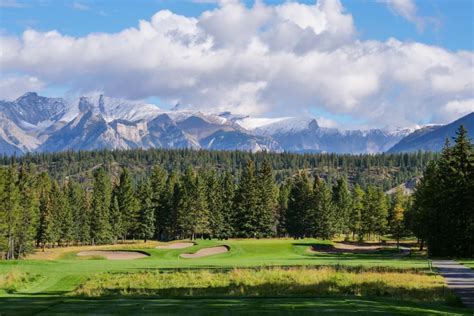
[{"x": 37, "y": 211}]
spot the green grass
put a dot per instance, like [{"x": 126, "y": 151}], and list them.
[
  {"x": 467, "y": 263},
  {"x": 58, "y": 278}
]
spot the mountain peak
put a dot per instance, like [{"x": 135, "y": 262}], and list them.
[
  {"x": 313, "y": 124},
  {"x": 27, "y": 95}
]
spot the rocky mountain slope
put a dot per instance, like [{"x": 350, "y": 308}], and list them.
[
  {"x": 36, "y": 123},
  {"x": 432, "y": 138}
]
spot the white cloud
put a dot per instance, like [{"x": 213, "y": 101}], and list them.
[
  {"x": 280, "y": 60},
  {"x": 12, "y": 87},
  {"x": 457, "y": 108},
  {"x": 80, "y": 6},
  {"x": 407, "y": 9}
]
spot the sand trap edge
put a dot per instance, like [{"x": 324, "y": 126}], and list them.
[
  {"x": 176, "y": 245},
  {"x": 114, "y": 254},
  {"x": 206, "y": 252}
]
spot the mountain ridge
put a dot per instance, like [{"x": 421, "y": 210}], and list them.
[{"x": 34, "y": 123}]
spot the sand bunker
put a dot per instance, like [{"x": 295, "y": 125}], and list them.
[
  {"x": 177, "y": 245},
  {"x": 346, "y": 247},
  {"x": 206, "y": 252},
  {"x": 113, "y": 255}
]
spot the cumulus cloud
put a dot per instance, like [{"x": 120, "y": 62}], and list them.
[
  {"x": 267, "y": 59},
  {"x": 457, "y": 108},
  {"x": 12, "y": 87},
  {"x": 407, "y": 9}
]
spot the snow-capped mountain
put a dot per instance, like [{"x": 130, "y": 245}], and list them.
[{"x": 36, "y": 123}]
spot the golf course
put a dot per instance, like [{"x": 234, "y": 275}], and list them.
[{"x": 233, "y": 276}]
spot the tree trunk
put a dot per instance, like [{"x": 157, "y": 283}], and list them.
[{"x": 422, "y": 243}]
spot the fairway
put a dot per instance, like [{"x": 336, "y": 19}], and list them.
[{"x": 55, "y": 274}]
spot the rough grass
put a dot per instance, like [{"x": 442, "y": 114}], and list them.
[
  {"x": 15, "y": 279},
  {"x": 270, "y": 282}
]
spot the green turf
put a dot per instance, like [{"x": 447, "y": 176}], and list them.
[
  {"x": 58, "y": 277},
  {"x": 468, "y": 263},
  {"x": 212, "y": 306}
]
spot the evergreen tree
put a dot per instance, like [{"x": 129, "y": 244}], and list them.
[
  {"x": 127, "y": 203},
  {"x": 167, "y": 210},
  {"x": 146, "y": 218},
  {"x": 158, "y": 185},
  {"x": 443, "y": 205},
  {"x": 45, "y": 212},
  {"x": 342, "y": 203},
  {"x": 227, "y": 186},
  {"x": 282, "y": 208},
  {"x": 267, "y": 201},
  {"x": 29, "y": 206},
  {"x": 78, "y": 204},
  {"x": 101, "y": 230},
  {"x": 356, "y": 213},
  {"x": 64, "y": 217},
  {"x": 299, "y": 217},
  {"x": 9, "y": 213},
  {"x": 214, "y": 197},
  {"x": 247, "y": 203},
  {"x": 324, "y": 210},
  {"x": 61, "y": 216},
  {"x": 117, "y": 218},
  {"x": 397, "y": 220}
]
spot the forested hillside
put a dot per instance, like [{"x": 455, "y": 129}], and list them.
[{"x": 382, "y": 170}]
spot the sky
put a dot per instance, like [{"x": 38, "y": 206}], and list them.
[{"x": 349, "y": 63}]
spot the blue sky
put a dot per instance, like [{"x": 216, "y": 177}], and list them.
[
  {"x": 452, "y": 26},
  {"x": 353, "y": 63}
]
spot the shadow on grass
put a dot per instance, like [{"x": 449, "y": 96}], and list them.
[{"x": 219, "y": 306}]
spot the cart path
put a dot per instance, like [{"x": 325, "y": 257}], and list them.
[{"x": 459, "y": 278}]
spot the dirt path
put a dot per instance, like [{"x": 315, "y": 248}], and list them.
[
  {"x": 459, "y": 278},
  {"x": 113, "y": 255},
  {"x": 176, "y": 245},
  {"x": 206, "y": 252}
]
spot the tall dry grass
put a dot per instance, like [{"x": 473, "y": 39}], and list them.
[
  {"x": 14, "y": 280},
  {"x": 301, "y": 281}
]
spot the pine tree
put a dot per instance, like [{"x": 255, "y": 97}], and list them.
[
  {"x": 247, "y": 203},
  {"x": 65, "y": 218},
  {"x": 227, "y": 185},
  {"x": 78, "y": 204},
  {"x": 9, "y": 213},
  {"x": 146, "y": 218},
  {"x": 267, "y": 201},
  {"x": 282, "y": 208},
  {"x": 356, "y": 213},
  {"x": 342, "y": 203},
  {"x": 324, "y": 210},
  {"x": 167, "y": 210},
  {"x": 45, "y": 211},
  {"x": 397, "y": 216},
  {"x": 127, "y": 202},
  {"x": 158, "y": 185},
  {"x": 29, "y": 205},
  {"x": 61, "y": 216},
  {"x": 299, "y": 215},
  {"x": 214, "y": 197},
  {"x": 443, "y": 205},
  {"x": 101, "y": 231},
  {"x": 117, "y": 218}
]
